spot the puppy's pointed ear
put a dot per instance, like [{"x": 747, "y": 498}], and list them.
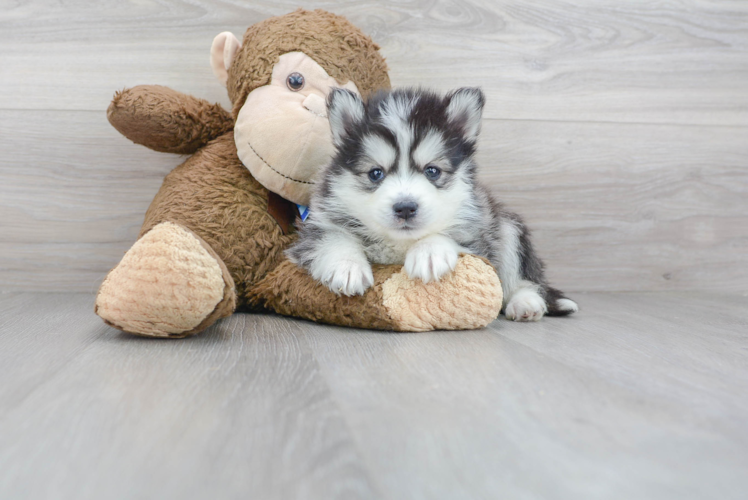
[
  {"x": 464, "y": 110},
  {"x": 345, "y": 110},
  {"x": 222, "y": 54}
]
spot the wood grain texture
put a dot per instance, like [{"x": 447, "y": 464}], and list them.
[
  {"x": 241, "y": 412},
  {"x": 627, "y": 206},
  {"x": 675, "y": 62},
  {"x": 638, "y": 396},
  {"x": 617, "y": 130}
]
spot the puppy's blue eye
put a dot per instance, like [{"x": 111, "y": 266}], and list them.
[
  {"x": 376, "y": 174},
  {"x": 432, "y": 172},
  {"x": 295, "y": 81}
]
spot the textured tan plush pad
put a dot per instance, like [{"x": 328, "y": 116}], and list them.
[
  {"x": 167, "y": 284},
  {"x": 469, "y": 297}
]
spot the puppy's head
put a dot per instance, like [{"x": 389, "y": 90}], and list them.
[{"x": 403, "y": 164}]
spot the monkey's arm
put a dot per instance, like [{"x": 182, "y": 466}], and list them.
[
  {"x": 165, "y": 120},
  {"x": 470, "y": 297}
]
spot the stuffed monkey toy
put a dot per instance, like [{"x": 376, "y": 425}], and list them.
[{"x": 214, "y": 235}]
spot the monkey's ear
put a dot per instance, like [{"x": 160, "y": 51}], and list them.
[
  {"x": 345, "y": 110},
  {"x": 464, "y": 110},
  {"x": 222, "y": 53}
]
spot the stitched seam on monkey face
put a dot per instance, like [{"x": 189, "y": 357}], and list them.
[{"x": 274, "y": 170}]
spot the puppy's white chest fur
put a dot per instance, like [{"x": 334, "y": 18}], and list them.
[{"x": 388, "y": 252}]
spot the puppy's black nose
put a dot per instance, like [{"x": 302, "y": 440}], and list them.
[{"x": 405, "y": 209}]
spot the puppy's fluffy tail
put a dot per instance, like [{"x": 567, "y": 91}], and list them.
[{"x": 558, "y": 304}]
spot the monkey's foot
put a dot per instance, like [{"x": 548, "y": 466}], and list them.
[
  {"x": 469, "y": 297},
  {"x": 169, "y": 284}
]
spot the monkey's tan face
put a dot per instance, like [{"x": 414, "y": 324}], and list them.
[{"x": 282, "y": 132}]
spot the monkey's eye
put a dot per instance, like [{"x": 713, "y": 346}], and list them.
[
  {"x": 432, "y": 172},
  {"x": 376, "y": 174},
  {"x": 295, "y": 82}
]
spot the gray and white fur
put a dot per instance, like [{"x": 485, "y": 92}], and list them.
[{"x": 402, "y": 189}]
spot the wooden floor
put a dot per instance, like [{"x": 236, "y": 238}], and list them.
[{"x": 639, "y": 396}]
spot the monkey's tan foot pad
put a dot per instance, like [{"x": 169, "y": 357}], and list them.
[
  {"x": 169, "y": 284},
  {"x": 468, "y": 298}
]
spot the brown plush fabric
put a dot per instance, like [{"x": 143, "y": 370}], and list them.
[
  {"x": 291, "y": 291},
  {"x": 209, "y": 242},
  {"x": 283, "y": 211},
  {"x": 470, "y": 297},
  {"x": 166, "y": 120},
  {"x": 215, "y": 196},
  {"x": 338, "y": 46}
]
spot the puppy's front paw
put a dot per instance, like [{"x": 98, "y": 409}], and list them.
[
  {"x": 431, "y": 258},
  {"x": 346, "y": 277},
  {"x": 525, "y": 305}
]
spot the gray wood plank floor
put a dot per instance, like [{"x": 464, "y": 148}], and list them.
[{"x": 639, "y": 396}]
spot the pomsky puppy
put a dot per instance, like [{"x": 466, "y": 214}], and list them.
[{"x": 402, "y": 189}]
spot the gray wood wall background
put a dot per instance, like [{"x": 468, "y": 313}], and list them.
[{"x": 618, "y": 129}]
